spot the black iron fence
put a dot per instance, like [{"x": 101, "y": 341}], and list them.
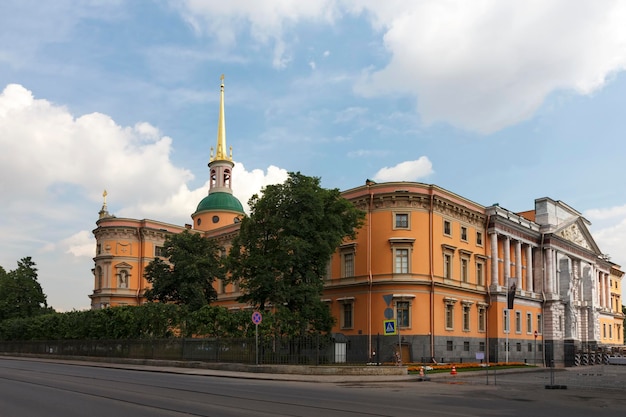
[{"x": 315, "y": 350}]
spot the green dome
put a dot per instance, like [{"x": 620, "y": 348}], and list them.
[{"x": 219, "y": 202}]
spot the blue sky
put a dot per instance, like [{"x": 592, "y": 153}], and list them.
[{"x": 500, "y": 102}]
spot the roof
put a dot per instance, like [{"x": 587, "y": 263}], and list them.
[{"x": 220, "y": 201}]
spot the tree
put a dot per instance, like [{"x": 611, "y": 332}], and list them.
[
  {"x": 194, "y": 262},
  {"x": 21, "y": 294},
  {"x": 282, "y": 251}
]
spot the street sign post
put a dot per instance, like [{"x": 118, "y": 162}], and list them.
[{"x": 256, "y": 319}]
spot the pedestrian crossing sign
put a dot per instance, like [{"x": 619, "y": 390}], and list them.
[{"x": 390, "y": 327}]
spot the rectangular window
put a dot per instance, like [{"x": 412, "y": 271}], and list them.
[
  {"x": 480, "y": 280},
  {"x": 529, "y": 323},
  {"x": 346, "y": 316},
  {"x": 481, "y": 319},
  {"x": 464, "y": 233},
  {"x": 481, "y": 346},
  {"x": 159, "y": 251},
  {"x": 447, "y": 228},
  {"x": 518, "y": 347},
  {"x": 402, "y": 221},
  {"x": 447, "y": 266},
  {"x": 449, "y": 346},
  {"x": 604, "y": 330},
  {"x": 466, "y": 318},
  {"x": 449, "y": 316},
  {"x": 506, "y": 321},
  {"x": 402, "y": 261},
  {"x": 518, "y": 322},
  {"x": 402, "y": 312},
  {"x": 464, "y": 273},
  {"x": 530, "y": 347},
  {"x": 348, "y": 265},
  {"x": 466, "y": 346},
  {"x": 539, "y": 324},
  {"x": 479, "y": 238}
]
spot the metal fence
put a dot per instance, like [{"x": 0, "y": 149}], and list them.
[{"x": 313, "y": 350}]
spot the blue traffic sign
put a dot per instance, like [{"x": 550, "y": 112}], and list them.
[
  {"x": 256, "y": 317},
  {"x": 390, "y": 327}
]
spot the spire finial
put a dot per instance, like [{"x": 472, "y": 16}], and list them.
[{"x": 220, "y": 149}]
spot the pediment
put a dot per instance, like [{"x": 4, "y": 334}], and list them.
[
  {"x": 577, "y": 233},
  {"x": 123, "y": 265}
]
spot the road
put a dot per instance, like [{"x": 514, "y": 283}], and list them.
[{"x": 34, "y": 388}]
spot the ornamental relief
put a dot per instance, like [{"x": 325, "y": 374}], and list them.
[{"x": 574, "y": 235}]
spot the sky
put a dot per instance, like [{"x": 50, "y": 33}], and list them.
[{"x": 497, "y": 101}]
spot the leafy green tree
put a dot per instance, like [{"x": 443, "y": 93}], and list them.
[
  {"x": 282, "y": 251},
  {"x": 194, "y": 262},
  {"x": 21, "y": 294}
]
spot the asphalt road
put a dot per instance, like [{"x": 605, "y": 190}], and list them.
[{"x": 34, "y": 388}]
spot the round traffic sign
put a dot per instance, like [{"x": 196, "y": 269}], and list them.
[{"x": 256, "y": 317}]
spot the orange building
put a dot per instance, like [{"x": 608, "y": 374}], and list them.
[{"x": 430, "y": 276}]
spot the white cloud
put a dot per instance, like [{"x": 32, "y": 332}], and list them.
[
  {"x": 480, "y": 66},
  {"x": 609, "y": 229},
  {"x": 406, "y": 171},
  {"x": 267, "y": 21},
  {"x": 487, "y": 65}
]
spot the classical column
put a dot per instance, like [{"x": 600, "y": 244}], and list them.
[
  {"x": 600, "y": 280},
  {"x": 607, "y": 287},
  {"x": 549, "y": 272},
  {"x": 494, "y": 258},
  {"x": 506, "y": 245},
  {"x": 530, "y": 285},
  {"x": 518, "y": 264}
]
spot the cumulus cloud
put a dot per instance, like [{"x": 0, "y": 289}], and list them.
[
  {"x": 267, "y": 21},
  {"x": 478, "y": 66},
  {"x": 490, "y": 65},
  {"x": 406, "y": 171},
  {"x": 609, "y": 229}
]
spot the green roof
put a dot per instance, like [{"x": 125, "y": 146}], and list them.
[{"x": 220, "y": 201}]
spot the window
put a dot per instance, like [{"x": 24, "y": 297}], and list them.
[
  {"x": 610, "y": 332},
  {"x": 506, "y": 321},
  {"x": 346, "y": 315},
  {"x": 480, "y": 278},
  {"x": 449, "y": 313},
  {"x": 518, "y": 322},
  {"x": 402, "y": 313},
  {"x": 481, "y": 346},
  {"x": 401, "y": 261},
  {"x": 449, "y": 346},
  {"x": 466, "y": 346},
  {"x": 479, "y": 238},
  {"x": 604, "y": 330},
  {"x": 529, "y": 323},
  {"x": 401, "y": 251},
  {"x": 447, "y": 228},
  {"x": 539, "y": 324},
  {"x": 530, "y": 347},
  {"x": 447, "y": 265},
  {"x": 98, "y": 249},
  {"x": 518, "y": 347},
  {"x": 99, "y": 277},
  {"x": 466, "y": 318},
  {"x": 402, "y": 221},
  {"x": 464, "y": 273},
  {"x": 482, "y": 311},
  {"x": 348, "y": 265},
  {"x": 159, "y": 251},
  {"x": 464, "y": 233}
]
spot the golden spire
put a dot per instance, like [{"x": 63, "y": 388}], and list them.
[{"x": 220, "y": 151}]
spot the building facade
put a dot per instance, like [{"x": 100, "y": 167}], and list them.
[{"x": 458, "y": 281}]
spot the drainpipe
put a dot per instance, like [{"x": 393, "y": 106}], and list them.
[
  {"x": 543, "y": 300},
  {"x": 432, "y": 275},
  {"x": 369, "y": 271},
  {"x": 140, "y": 265}
]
